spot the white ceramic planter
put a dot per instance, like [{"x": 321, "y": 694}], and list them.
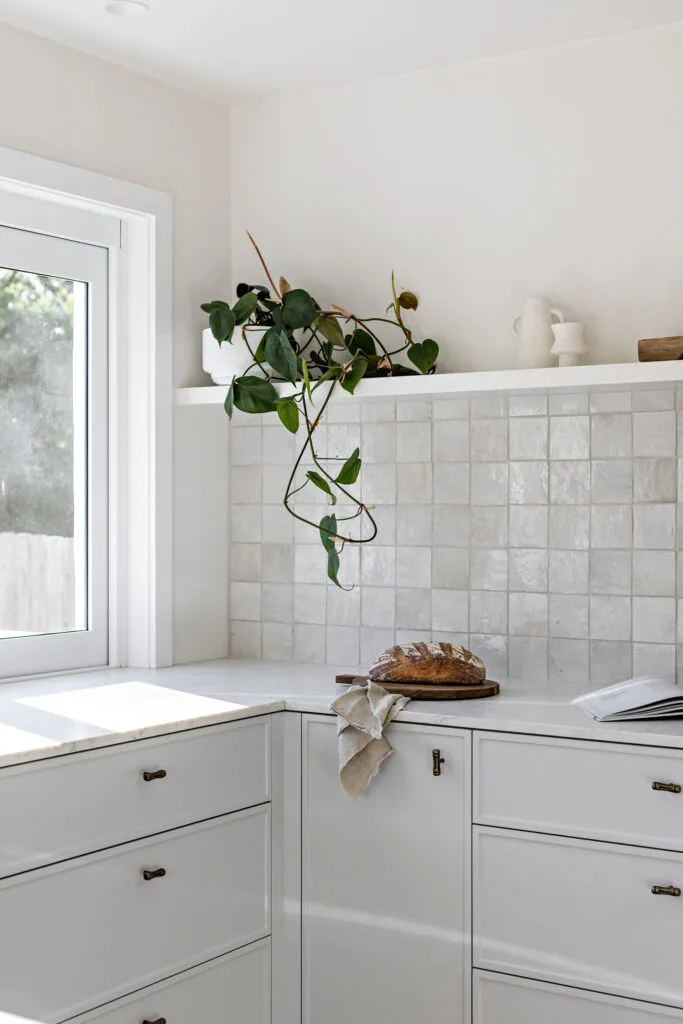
[{"x": 231, "y": 359}]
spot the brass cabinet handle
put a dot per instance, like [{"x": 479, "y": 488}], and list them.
[
  {"x": 665, "y": 890},
  {"x": 159, "y": 1020},
  {"x": 149, "y": 875},
  {"x": 150, "y": 777},
  {"x": 666, "y": 787},
  {"x": 437, "y": 761}
]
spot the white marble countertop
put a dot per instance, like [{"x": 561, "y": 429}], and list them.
[{"x": 57, "y": 715}]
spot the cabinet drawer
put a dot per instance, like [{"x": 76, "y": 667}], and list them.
[
  {"x": 70, "y": 805},
  {"x": 596, "y": 790},
  {"x": 498, "y": 999},
  {"x": 579, "y": 913},
  {"x": 78, "y": 934},
  {"x": 234, "y": 989}
]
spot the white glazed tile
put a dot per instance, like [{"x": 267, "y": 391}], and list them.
[
  {"x": 343, "y": 408},
  {"x": 489, "y": 440},
  {"x": 568, "y": 616},
  {"x": 657, "y": 400},
  {"x": 451, "y": 409},
  {"x": 654, "y": 620},
  {"x": 450, "y": 610},
  {"x": 528, "y": 614},
  {"x": 245, "y": 485},
  {"x": 379, "y": 442},
  {"x": 378, "y": 566},
  {"x": 527, "y": 405},
  {"x": 568, "y": 660},
  {"x": 654, "y": 434},
  {"x": 413, "y": 636},
  {"x": 245, "y": 523},
  {"x": 611, "y": 526},
  {"x": 528, "y": 483},
  {"x": 245, "y": 601},
  {"x": 343, "y": 606},
  {"x": 245, "y": 639},
  {"x": 568, "y": 405},
  {"x": 611, "y": 436},
  {"x": 654, "y": 480},
  {"x": 488, "y": 407},
  {"x": 610, "y": 661},
  {"x": 245, "y": 562},
  {"x": 655, "y": 660},
  {"x": 309, "y": 563},
  {"x": 379, "y": 484},
  {"x": 528, "y": 526},
  {"x": 451, "y": 441},
  {"x": 610, "y": 401},
  {"x": 414, "y": 410},
  {"x": 569, "y": 527},
  {"x": 654, "y": 526},
  {"x": 413, "y": 566},
  {"x": 343, "y": 439},
  {"x": 679, "y": 573},
  {"x": 378, "y": 606},
  {"x": 570, "y": 482},
  {"x": 309, "y": 643},
  {"x": 528, "y": 658},
  {"x": 569, "y": 437},
  {"x": 377, "y": 412},
  {"x": 413, "y": 608},
  {"x": 489, "y": 483},
  {"x": 528, "y": 438},
  {"x": 489, "y": 569},
  {"x": 274, "y": 485},
  {"x": 277, "y": 602},
  {"x": 489, "y": 526},
  {"x": 654, "y": 573},
  {"x": 413, "y": 442},
  {"x": 451, "y": 483},
  {"x": 451, "y": 525},
  {"x": 611, "y": 481},
  {"x": 373, "y": 642},
  {"x": 568, "y": 572},
  {"x": 610, "y": 572},
  {"x": 451, "y": 568},
  {"x": 279, "y": 446},
  {"x": 343, "y": 645},
  {"x": 488, "y": 611},
  {"x": 414, "y": 483},
  {"x": 610, "y": 617},
  {"x": 278, "y": 562},
  {"x": 309, "y": 602},
  {"x": 279, "y": 525},
  {"x": 493, "y": 651},
  {"x": 528, "y": 569},
  {"x": 414, "y": 524},
  {"x": 245, "y": 445},
  {"x": 277, "y": 641}
]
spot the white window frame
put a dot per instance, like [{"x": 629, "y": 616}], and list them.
[{"x": 135, "y": 223}]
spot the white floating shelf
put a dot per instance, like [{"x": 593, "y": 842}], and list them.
[{"x": 608, "y": 377}]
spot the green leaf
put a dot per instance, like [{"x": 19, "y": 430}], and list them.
[
  {"x": 209, "y": 307},
  {"x": 280, "y": 354},
  {"x": 245, "y": 306},
  {"x": 361, "y": 341},
  {"x": 260, "y": 353},
  {"x": 354, "y": 375},
  {"x": 298, "y": 308},
  {"x": 230, "y": 399},
  {"x": 333, "y": 566},
  {"x": 307, "y": 379},
  {"x": 322, "y": 483},
  {"x": 222, "y": 323},
  {"x": 254, "y": 394},
  {"x": 348, "y": 474},
  {"x": 330, "y": 330},
  {"x": 424, "y": 354},
  {"x": 288, "y": 411},
  {"x": 407, "y": 300},
  {"x": 328, "y": 530}
]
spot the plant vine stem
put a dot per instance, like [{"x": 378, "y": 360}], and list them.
[
  {"x": 289, "y": 493},
  {"x": 264, "y": 265}
]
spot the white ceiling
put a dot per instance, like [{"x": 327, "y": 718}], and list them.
[{"x": 227, "y": 48}]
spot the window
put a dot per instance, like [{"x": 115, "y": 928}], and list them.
[{"x": 53, "y": 453}]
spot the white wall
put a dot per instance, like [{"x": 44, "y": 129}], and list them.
[
  {"x": 66, "y": 106},
  {"x": 556, "y": 172}
]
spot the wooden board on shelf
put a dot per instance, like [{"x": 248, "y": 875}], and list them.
[
  {"x": 430, "y": 691},
  {"x": 658, "y": 349}
]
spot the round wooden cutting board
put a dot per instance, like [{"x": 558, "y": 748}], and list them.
[{"x": 430, "y": 691}]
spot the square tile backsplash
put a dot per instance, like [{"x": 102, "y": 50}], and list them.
[{"x": 542, "y": 532}]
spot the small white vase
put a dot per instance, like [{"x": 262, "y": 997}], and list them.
[
  {"x": 231, "y": 359},
  {"x": 570, "y": 343},
  {"x": 534, "y": 330}
]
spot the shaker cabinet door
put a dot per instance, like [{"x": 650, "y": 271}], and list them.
[{"x": 385, "y": 883}]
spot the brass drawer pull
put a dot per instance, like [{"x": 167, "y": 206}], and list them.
[
  {"x": 149, "y": 875},
  {"x": 666, "y": 787},
  {"x": 665, "y": 890},
  {"x": 150, "y": 777},
  {"x": 159, "y": 1020},
  {"x": 437, "y": 761}
]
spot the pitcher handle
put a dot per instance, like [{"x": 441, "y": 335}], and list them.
[
  {"x": 558, "y": 313},
  {"x": 515, "y": 324}
]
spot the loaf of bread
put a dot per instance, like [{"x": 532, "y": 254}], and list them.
[{"x": 432, "y": 662}]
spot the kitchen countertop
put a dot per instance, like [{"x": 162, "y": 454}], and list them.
[{"x": 55, "y": 715}]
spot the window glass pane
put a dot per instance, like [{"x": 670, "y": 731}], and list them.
[{"x": 43, "y": 463}]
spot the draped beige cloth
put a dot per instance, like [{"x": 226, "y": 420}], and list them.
[{"x": 363, "y": 713}]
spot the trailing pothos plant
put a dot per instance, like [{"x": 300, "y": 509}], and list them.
[{"x": 302, "y": 344}]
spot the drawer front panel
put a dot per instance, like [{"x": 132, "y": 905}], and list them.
[
  {"x": 234, "y": 989},
  {"x": 579, "y": 913},
  {"x": 594, "y": 790},
  {"x": 92, "y": 929},
  {"x": 499, "y": 999},
  {"x": 72, "y": 805}
]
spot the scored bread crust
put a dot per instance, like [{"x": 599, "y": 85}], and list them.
[{"x": 428, "y": 662}]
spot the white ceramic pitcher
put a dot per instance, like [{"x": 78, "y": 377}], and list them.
[{"x": 534, "y": 330}]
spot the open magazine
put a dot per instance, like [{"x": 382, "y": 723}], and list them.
[{"x": 636, "y": 698}]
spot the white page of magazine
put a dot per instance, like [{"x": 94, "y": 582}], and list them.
[{"x": 628, "y": 696}]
